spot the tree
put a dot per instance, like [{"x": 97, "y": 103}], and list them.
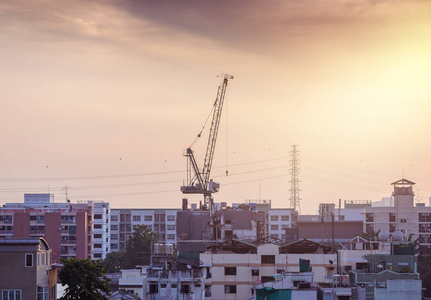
[
  {"x": 85, "y": 279},
  {"x": 138, "y": 247},
  {"x": 137, "y": 252}
]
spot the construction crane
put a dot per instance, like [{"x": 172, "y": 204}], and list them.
[{"x": 199, "y": 182}]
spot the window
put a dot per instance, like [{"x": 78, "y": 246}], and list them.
[
  {"x": 98, "y": 236},
  {"x": 97, "y": 217},
  {"x": 97, "y": 255},
  {"x": 207, "y": 290},
  {"x": 29, "y": 260},
  {"x": 254, "y": 272},
  {"x": 229, "y": 270},
  {"x": 113, "y": 227},
  {"x": 154, "y": 289},
  {"x": 274, "y": 218},
  {"x": 11, "y": 295},
  {"x": 267, "y": 259},
  {"x": 185, "y": 288},
  {"x": 72, "y": 230},
  {"x": 148, "y": 218},
  {"x": 369, "y": 217},
  {"x": 285, "y": 217},
  {"x": 114, "y": 246},
  {"x": 114, "y": 218},
  {"x": 159, "y": 218},
  {"x": 97, "y": 245},
  {"x": 42, "y": 259},
  {"x": 171, "y": 218},
  {"x": 274, "y": 227},
  {"x": 274, "y": 236},
  {"x": 403, "y": 220},
  {"x": 228, "y": 234},
  {"x": 42, "y": 293},
  {"x": 284, "y": 226},
  {"x": 230, "y": 289},
  {"x": 171, "y": 227},
  {"x": 97, "y": 226},
  {"x": 137, "y": 218},
  {"x": 340, "y": 218},
  {"x": 171, "y": 237},
  {"x": 392, "y": 217}
]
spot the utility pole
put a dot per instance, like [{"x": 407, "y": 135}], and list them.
[{"x": 294, "y": 171}]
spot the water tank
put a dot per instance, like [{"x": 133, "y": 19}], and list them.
[
  {"x": 383, "y": 235},
  {"x": 157, "y": 249},
  {"x": 397, "y": 236}
]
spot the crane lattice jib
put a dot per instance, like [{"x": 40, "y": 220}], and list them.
[{"x": 218, "y": 106}]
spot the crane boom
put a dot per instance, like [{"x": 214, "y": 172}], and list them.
[{"x": 204, "y": 184}]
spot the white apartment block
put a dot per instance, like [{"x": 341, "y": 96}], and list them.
[
  {"x": 279, "y": 220},
  {"x": 413, "y": 221},
  {"x": 101, "y": 230},
  {"x": 125, "y": 221},
  {"x": 231, "y": 275}
]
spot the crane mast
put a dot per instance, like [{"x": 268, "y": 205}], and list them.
[{"x": 200, "y": 182}]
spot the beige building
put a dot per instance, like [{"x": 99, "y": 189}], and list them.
[
  {"x": 410, "y": 220},
  {"x": 233, "y": 267},
  {"x": 26, "y": 271}
]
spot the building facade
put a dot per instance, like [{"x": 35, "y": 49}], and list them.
[
  {"x": 124, "y": 221},
  {"x": 66, "y": 227},
  {"x": 412, "y": 221},
  {"x": 26, "y": 269}
]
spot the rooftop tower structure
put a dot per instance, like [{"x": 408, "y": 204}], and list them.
[{"x": 294, "y": 171}]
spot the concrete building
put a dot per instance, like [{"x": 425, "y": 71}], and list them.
[
  {"x": 133, "y": 281},
  {"x": 124, "y": 221},
  {"x": 66, "y": 227},
  {"x": 280, "y": 219},
  {"x": 410, "y": 221},
  {"x": 101, "y": 230},
  {"x": 234, "y": 266},
  {"x": 26, "y": 269}
]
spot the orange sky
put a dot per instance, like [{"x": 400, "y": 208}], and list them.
[{"x": 85, "y": 83}]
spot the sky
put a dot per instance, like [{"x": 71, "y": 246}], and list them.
[{"x": 100, "y": 99}]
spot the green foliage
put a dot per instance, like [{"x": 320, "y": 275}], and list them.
[
  {"x": 85, "y": 279},
  {"x": 137, "y": 252},
  {"x": 114, "y": 261}
]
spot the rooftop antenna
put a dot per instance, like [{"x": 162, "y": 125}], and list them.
[{"x": 294, "y": 171}]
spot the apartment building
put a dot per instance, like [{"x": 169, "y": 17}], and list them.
[
  {"x": 66, "y": 227},
  {"x": 26, "y": 269},
  {"x": 101, "y": 230},
  {"x": 233, "y": 267},
  {"x": 124, "y": 221},
  {"x": 280, "y": 219},
  {"x": 404, "y": 217}
]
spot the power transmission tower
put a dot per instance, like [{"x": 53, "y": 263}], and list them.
[{"x": 294, "y": 171}]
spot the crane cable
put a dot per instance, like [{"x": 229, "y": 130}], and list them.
[{"x": 203, "y": 127}]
